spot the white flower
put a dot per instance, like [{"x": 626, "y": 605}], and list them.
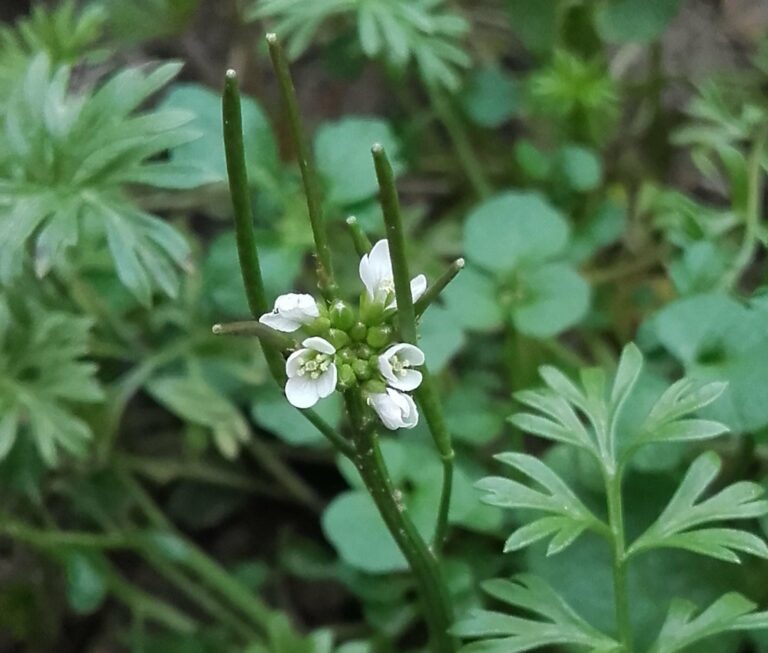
[
  {"x": 395, "y": 409},
  {"x": 376, "y": 275},
  {"x": 291, "y": 312},
  {"x": 311, "y": 372},
  {"x": 396, "y": 366}
]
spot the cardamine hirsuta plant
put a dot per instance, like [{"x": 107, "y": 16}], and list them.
[{"x": 316, "y": 346}]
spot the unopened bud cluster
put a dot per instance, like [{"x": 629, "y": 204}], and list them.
[{"x": 345, "y": 348}]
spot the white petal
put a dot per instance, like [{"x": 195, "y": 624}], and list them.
[
  {"x": 386, "y": 409},
  {"x": 301, "y": 391},
  {"x": 376, "y": 268},
  {"x": 418, "y": 286},
  {"x": 326, "y": 383},
  {"x": 279, "y": 322},
  {"x": 319, "y": 344},
  {"x": 406, "y": 352},
  {"x": 300, "y": 308},
  {"x": 308, "y": 306},
  {"x": 407, "y": 382},
  {"x": 293, "y": 362},
  {"x": 409, "y": 414}
]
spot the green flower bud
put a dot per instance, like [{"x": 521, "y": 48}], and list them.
[
  {"x": 371, "y": 312},
  {"x": 347, "y": 377},
  {"x": 318, "y": 327},
  {"x": 379, "y": 336},
  {"x": 338, "y": 338},
  {"x": 358, "y": 332},
  {"x": 361, "y": 369},
  {"x": 363, "y": 351},
  {"x": 341, "y": 315},
  {"x": 375, "y": 386},
  {"x": 346, "y": 356}
]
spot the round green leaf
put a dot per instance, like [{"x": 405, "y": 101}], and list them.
[
  {"x": 343, "y": 152},
  {"x": 471, "y": 301},
  {"x": 556, "y": 298},
  {"x": 619, "y": 21},
  {"x": 580, "y": 167},
  {"x": 271, "y": 411},
  {"x": 513, "y": 230},
  {"x": 440, "y": 337},
  {"x": 354, "y": 527},
  {"x": 491, "y": 97},
  {"x": 207, "y": 152}
]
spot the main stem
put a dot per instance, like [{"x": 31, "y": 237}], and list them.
[
  {"x": 433, "y": 591},
  {"x": 616, "y": 522}
]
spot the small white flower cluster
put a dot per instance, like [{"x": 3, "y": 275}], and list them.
[{"x": 313, "y": 371}]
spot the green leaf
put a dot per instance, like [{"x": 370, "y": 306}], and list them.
[
  {"x": 514, "y": 230},
  {"x": 343, "y": 152},
  {"x": 571, "y": 519},
  {"x": 681, "y": 628},
  {"x": 738, "y": 501},
  {"x": 206, "y": 154},
  {"x": 719, "y": 339},
  {"x": 502, "y": 633},
  {"x": 580, "y": 167},
  {"x": 66, "y": 175},
  {"x": 602, "y": 228},
  {"x": 86, "y": 581},
  {"x": 271, "y": 411},
  {"x": 555, "y": 298},
  {"x": 45, "y": 377},
  {"x": 699, "y": 269},
  {"x": 490, "y": 97},
  {"x": 197, "y": 402},
  {"x": 619, "y": 21},
  {"x": 471, "y": 301},
  {"x": 440, "y": 337}
]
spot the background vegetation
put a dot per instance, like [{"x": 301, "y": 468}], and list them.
[{"x": 600, "y": 164}]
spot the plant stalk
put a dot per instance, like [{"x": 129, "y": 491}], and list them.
[
  {"x": 306, "y": 164},
  {"x": 241, "y": 203},
  {"x": 438, "y": 611},
  {"x": 406, "y": 315},
  {"x": 433, "y": 292},
  {"x": 613, "y": 483},
  {"x": 362, "y": 244}
]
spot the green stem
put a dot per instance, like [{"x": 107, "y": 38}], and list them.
[
  {"x": 343, "y": 445},
  {"x": 433, "y": 292},
  {"x": 306, "y": 164},
  {"x": 196, "y": 560},
  {"x": 241, "y": 204},
  {"x": 406, "y": 316},
  {"x": 293, "y": 484},
  {"x": 433, "y": 591},
  {"x": 268, "y": 336},
  {"x": 461, "y": 143},
  {"x": 390, "y": 206},
  {"x": 362, "y": 244},
  {"x": 433, "y": 412},
  {"x": 150, "y": 607},
  {"x": 246, "y": 236},
  {"x": 613, "y": 483},
  {"x": 752, "y": 214}
]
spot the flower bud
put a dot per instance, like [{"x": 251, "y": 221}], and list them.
[
  {"x": 374, "y": 386},
  {"x": 346, "y": 356},
  {"x": 358, "y": 332},
  {"x": 338, "y": 338},
  {"x": 318, "y": 327},
  {"x": 341, "y": 315},
  {"x": 371, "y": 311},
  {"x": 379, "y": 336},
  {"x": 362, "y": 369},
  {"x": 347, "y": 377},
  {"x": 363, "y": 351}
]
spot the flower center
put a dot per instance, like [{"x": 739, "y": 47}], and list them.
[
  {"x": 314, "y": 365},
  {"x": 400, "y": 367}
]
